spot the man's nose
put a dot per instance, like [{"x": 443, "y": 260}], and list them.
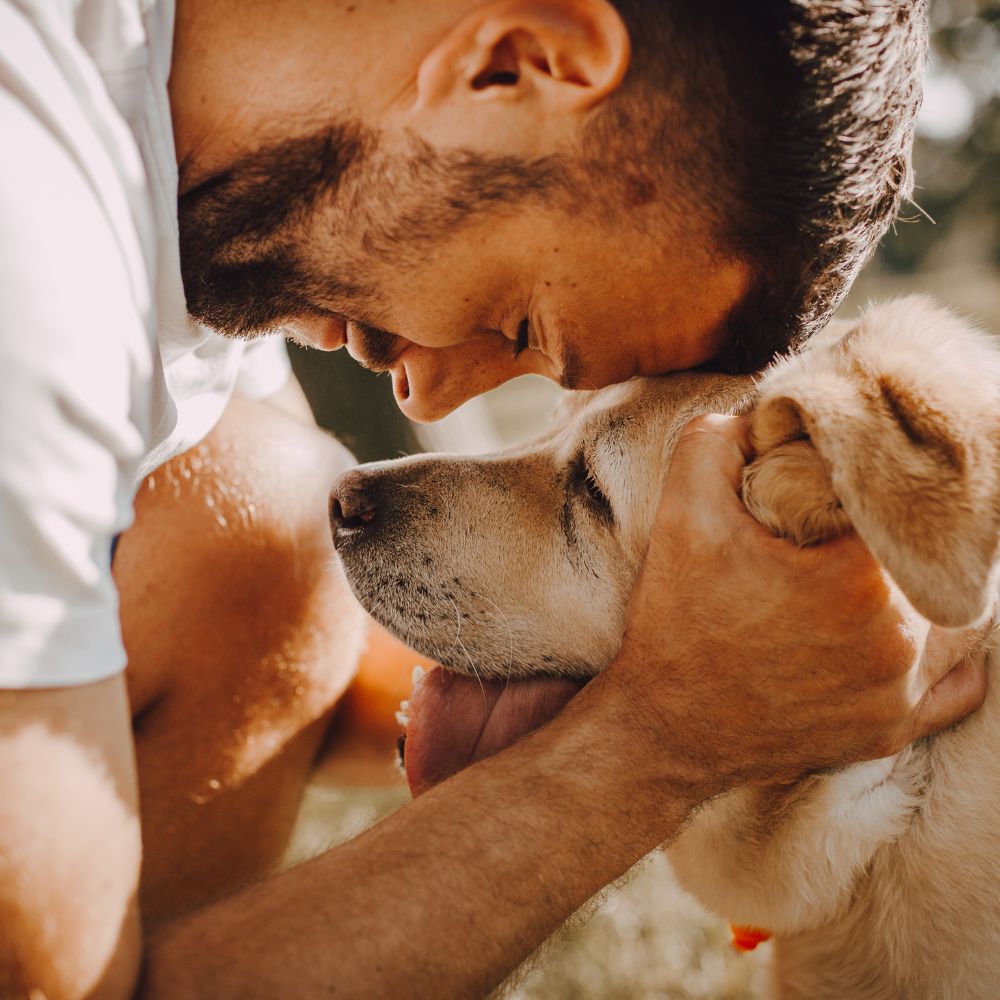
[
  {"x": 355, "y": 501},
  {"x": 430, "y": 382}
]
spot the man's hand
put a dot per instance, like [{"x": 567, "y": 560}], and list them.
[
  {"x": 744, "y": 658},
  {"x": 759, "y": 661}
]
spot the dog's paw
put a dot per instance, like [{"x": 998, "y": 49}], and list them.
[
  {"x": 903, "y": 411},
  {"x": 789, "y": 491}
]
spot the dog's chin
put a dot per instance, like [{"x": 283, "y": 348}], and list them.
[
  {"x": 471, "y": 632},
  {"x": 456, "y": 720},
  {"x": 494, "y": 685}
]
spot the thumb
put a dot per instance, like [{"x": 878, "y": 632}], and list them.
[
  {"x": 708, "y": 462},
  {"x": 961, "y": 691}
]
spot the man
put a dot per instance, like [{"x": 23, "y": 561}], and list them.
[{"x": 461, "y": 191}]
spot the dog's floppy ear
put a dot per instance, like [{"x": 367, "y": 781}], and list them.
[{"x": 904, "y": 412}]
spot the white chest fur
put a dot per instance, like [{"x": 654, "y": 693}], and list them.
[{"x": 879, "y": 882}]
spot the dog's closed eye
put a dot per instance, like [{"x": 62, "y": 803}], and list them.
[{"x": 585, "y": 483}]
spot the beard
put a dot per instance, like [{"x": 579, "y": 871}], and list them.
[
  {"x": 241, "y": 231},
  {"x": 250, "y": 234}
]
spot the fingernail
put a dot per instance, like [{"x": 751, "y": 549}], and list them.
[{"x": 418, "y": 675}]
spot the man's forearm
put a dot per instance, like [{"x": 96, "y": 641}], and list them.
[{"x": 444, "y": 897}]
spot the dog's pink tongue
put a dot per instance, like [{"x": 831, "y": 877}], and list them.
[{"x": 457, "y": 720}]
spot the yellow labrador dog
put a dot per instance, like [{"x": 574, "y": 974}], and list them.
[{"x": 880, "y": 881}]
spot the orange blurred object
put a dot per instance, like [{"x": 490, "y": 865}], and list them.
[
  {"x": 361, "y": 745},
  {"x": 384, "y": 679},
  {"x": 747, "y": 938}
]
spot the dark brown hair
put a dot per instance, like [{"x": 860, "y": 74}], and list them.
[
  {"x": 787, "y": 125},
  {"x": 781, "y": 127}
]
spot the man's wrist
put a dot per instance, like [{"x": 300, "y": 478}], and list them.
[
  {"x": 500, "y": 854},
  {"x": 625, "y": 748}
]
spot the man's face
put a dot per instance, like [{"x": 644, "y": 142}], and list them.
[
  {"x": 542, "y": 292},
  {"x": 401, "y": 258}
]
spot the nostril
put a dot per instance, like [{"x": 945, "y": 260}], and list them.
[
  {"x": 358, "y": 520},
  {"x": 352, "y": 507}
]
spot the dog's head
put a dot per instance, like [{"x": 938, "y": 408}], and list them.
[
  {"x": 517, "y": 565},
  {"x": 521, "y": 562}
]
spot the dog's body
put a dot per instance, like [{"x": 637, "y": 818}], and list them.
[{"x": 881, "y": 881}]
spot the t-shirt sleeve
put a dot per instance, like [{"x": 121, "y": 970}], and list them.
[
  {"x": 264, "y": 369},
  {"x": 73, "y": 342}
]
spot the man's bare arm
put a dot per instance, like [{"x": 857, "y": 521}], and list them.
[
  {"x": 69, "y": 844},
  {"x": 715, "y": 684},
  {"x": 447, "y": 895}
]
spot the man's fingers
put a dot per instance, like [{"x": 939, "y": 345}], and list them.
[
  {"x": 958, "y": 693},
  {"x": 947, "y": 646}
]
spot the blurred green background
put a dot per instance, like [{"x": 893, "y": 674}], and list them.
[{"x": 649, "y": 940}]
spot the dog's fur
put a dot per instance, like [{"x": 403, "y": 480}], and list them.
[{"x": 881, "y": 881}]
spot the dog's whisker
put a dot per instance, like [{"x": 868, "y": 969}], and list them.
[
  {"x": 458, "y": 632},
  {"x": 510, "y": 635},
  {"x": 468, "y": 655},
  {"x": 476, "y": 673},
  {"x": 458, "y": 642}
]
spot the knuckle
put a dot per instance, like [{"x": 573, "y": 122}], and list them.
[
  {"x": 867, "y": 594},
  {"x": 706, "y": 422},
  {"x": 864, "y": 592},
  {"x": 892, "y": 655}
]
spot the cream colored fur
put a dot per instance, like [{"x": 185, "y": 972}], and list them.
[{"x": 881, "y": 881}]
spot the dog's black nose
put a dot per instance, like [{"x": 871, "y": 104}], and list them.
[{"x": 354, "y": 503}]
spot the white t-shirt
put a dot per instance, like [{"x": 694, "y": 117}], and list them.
[{"x": 103, "y": 376}]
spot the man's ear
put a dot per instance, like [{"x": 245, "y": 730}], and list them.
[
  {"x": 904, "y": 413},
  {"x": 559, "y": 55}
]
